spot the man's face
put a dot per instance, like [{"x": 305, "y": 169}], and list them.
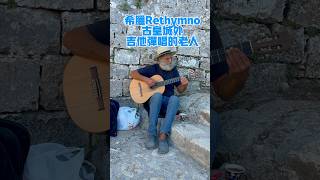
[
  {"x": 166, "y": 59},
  {"x": 167, "y": 62}
]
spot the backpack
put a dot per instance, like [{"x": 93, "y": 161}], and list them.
[
  {"x": 114, "y": 108},
  {"x": 15, "y": 152}
]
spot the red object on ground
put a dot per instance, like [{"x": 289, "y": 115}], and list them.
[{"x": 216, "y": 175}]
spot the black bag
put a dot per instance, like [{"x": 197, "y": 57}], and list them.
[
  {"x": 114, "y": 108},
  {"x": 14, "y": 148}
]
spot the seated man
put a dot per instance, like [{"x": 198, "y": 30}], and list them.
[
  {"x": 165, "y": 67},
  {"x": 227, "y": 79}
]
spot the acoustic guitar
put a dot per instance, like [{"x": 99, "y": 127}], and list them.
[
  {"x": 86, "y": 93},
  {"x": 140, "y": 91}
]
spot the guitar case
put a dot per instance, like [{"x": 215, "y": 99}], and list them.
[{"x": 14, "y": 149}]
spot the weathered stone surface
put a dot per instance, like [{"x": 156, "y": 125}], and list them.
[
  {"x": 266, "y": 79},
  {"x": 51, "y": 87},
  {"x": 119, "y": 71},
  {"x": 194, "y": 140},
  {"x": 118, "y": 36},
  {"x": 274, "y": 140},
  {"x": 193, "y": 87},
  {"x": 266, "y": 82},
  {"x": 125, "y": 87},
  {"x": 197, "y": 75},
  {"x": 130, "y": 160},
  {"x": 233, "y": 32},
  {"x": 116, "y": 16},
  {"x": 189, "y": 51},
  {"x": 197, "y": 107},
  {"x": 29, "y": 32},
  {"x": 296, "y": 45},
  {"x": 19, "y": 84},
  {"x": 190, "y": 62},
  {"x": 203, "y": 37},
  {"x": 206, "y": 83},
  {"x": 123, "y": 56},
  {"x": 205, "y": 64},
  {"x": 147, "y": 56},
  {"x": 98, "y": 155},
  {"x": 56, "y": 127},
  {"x": 115, "y": 88},
  {"x": 71, "y": 20},
  {"x": 268, "y": 10},
  {"x": 313, "y": 62},
  {"x": 103, "y": 4},
  {"x": 57, "y": 4},
  {"x": 305, "y": 12}
]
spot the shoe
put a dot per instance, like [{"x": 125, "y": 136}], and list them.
[
  {"x": 163, "y": 146},
  {"x": 151, "y": 142}
]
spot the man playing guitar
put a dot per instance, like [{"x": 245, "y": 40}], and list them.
[
  {"x": 227, "y": 78},
  {"x": 167, "y": 102}
]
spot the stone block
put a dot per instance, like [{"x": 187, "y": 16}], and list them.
[
  {"x": 57, "y": 4},
  {"x": 123, "y": 56},
  {"x": 19, "y": 86},
  {"x": 187, "y": 61},
  {"x": 313, "y": 62},
  {"x": 305, "y": 12},
  {"x": 193, "y": 140},
  {"x": 51, "y": 86},
  {"x": 29, "y": 31},
  {"x": 119, "y": 71},
  {"x": 115, "y": 88},
  {"x": 267, "y": 10}
]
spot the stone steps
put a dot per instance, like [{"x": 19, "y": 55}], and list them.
[
  {"x": 190, "y": 134},
  {"x": 129, "y": 159},
  {"x": 194, "y": 140}
]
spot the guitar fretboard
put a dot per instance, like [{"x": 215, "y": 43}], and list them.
[
  {"x": 166, "y": 82},
  {"x": 219, "y": 55}
]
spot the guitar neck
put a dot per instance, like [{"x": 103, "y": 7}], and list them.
[
  {"x": 219, "y": 55},
  {"x": 167, "y": 82}
]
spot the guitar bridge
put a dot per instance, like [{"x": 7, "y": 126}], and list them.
[
  {"x": 97, "y": 87},
  {"x": 140, "y": 89}
]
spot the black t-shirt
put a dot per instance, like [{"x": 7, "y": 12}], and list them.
[
  {"x": 100, "y": 31},
  {"x": 154, "y": 69},
  {"x": 221, "y": 68}
]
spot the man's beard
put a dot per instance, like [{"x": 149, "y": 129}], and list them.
[{"x": 168, "y": 67}]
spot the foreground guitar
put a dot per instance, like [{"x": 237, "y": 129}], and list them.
[
  {"x": 276, "y": 43},
  {"x": 85, "y": 88},
  {"x": 140, "y": 91}
]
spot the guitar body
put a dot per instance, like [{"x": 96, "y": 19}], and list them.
[
  {"x": 140, "y": 91},
  {"x": 86, "y": 88}
]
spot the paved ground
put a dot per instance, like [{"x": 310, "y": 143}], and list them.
[{"x": 130, "y": 160}]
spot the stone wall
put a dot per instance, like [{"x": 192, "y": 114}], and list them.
[
  {"x": 32, "y": 60},
  {"x": 269, "y": 126},
  {"x": 193, "y": 62},
  {"x": 258, "y": 19}
]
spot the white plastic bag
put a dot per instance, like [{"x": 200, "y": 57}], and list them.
[
  {"x": 128, "y": 118},
  {"x": 51, "y": 161}
]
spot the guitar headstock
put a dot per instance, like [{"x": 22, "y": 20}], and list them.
[{"x": 276, "y": 43}]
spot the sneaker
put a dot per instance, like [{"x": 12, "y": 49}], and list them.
[
  {"x": 151, "y": 142},
  {"x": 163, "y": 146}
]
